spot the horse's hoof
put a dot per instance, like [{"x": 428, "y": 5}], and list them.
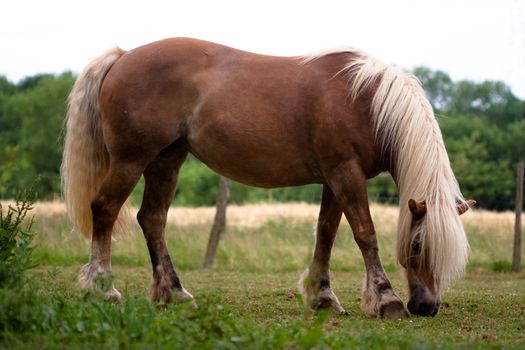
[
  {"x": 394, "y": 310},
  {"x": 329, "y": 304},
  {"x": 339, "y": 309},
  {"x": 326, "y": 300},
  {"x": 184, "y": 297},
  {"x": 113, "y": 295}
]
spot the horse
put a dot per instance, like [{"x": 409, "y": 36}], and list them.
[{"x": 336, "y": 118}]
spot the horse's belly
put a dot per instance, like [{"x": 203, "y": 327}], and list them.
[{"x": 255, "y": 156}]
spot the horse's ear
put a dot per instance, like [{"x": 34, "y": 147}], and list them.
[
  {"x": 466, "y": 205},
  {"x": 418, "y": 209}
]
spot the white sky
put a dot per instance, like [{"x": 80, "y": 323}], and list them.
[{"x": 468, "y": 39}]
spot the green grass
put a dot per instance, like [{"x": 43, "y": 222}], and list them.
[
  {"x": 249, "y": 300},
  {"x": 256, "y": 310}
]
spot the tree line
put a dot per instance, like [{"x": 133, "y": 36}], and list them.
[{"x": 483, "y": 124}]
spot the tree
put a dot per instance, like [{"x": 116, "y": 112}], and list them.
[
  {"x": 483, "y": 125},
  {"x": 31, "y": 138},
  {"x": 438, "y": 86}
]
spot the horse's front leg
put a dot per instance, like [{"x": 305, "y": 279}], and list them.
[
  {"x": 314, "y": 284},
  {"x": 379, "y": 299}
]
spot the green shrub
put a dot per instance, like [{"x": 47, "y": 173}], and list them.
[
  {"x": 501, "y": 266},
  {"x": 15, "y": 242}
]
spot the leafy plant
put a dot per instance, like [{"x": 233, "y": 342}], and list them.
[{"x": 15, "y": 241}]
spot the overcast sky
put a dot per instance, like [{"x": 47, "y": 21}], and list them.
[{"x": 469, "y": 39}]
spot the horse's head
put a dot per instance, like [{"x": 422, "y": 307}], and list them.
[{"x": 423, "y": 285}]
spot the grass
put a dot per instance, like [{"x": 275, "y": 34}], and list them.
[
  {"x": 261, "y": 310},
  {"x": 249, "y": 300}
]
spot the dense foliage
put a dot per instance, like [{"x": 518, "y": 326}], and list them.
[
  {"x": 484, "y": 129},
  {"x": 483, "y": 125},
  {"x": 31, "y": 116}
]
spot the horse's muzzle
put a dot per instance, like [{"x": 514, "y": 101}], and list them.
[{"x": 424, "y": 307}]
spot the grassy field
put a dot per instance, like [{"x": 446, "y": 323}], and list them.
[{"x": 249, "y": 299}]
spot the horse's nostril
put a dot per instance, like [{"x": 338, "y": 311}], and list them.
[
  {"x": 427, "y": 309},
  {"x": 412, "y": 306},
  {"x": 423, "y": 308}
]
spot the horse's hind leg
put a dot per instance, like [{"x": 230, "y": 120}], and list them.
[
  {"x": 161, "y": 179},
  {"x": 349, "y": 185},
  {"x": 117, "y": 185},
  {"x": 314, "y": 284}
]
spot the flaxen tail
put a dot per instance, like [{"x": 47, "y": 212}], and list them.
[{"x": 85, "y": 160}]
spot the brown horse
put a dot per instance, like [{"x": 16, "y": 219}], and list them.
[{"x": 337, "y": 119}]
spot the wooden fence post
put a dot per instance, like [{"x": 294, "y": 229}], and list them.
[
  {"x": 219, "y": 223},
  {"x": 516, "y": 256}
]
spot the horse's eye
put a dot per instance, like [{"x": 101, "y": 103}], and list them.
[{"x": 416, "y": 247}]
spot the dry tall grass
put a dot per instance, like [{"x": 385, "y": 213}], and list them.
[
  {"x": 261, "y": 237},
  {"x": 256, "y": 215},
  {"x": 248, "y": 215}
]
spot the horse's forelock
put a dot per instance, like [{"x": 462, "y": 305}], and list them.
[{"x": 443, "y": 245}]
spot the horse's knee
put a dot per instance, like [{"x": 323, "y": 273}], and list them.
[
  {"x": 150, "y": 221},
  {"x": 366, "y": 238}
]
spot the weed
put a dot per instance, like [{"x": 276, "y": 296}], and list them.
[{"x": 15, "y": 241}]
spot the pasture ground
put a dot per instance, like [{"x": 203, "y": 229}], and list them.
[{"x": 249, "y": 300}]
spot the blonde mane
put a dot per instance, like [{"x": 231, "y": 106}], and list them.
[
  {"x": 410, "y": 137},
  {"x": 409, "y": 134}
]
